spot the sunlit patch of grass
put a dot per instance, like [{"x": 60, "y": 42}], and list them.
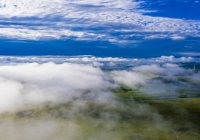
[
  {"x": 150, "y": 75},
  {"x": 130, "y": 94}
]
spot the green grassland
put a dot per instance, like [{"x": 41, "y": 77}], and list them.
[
  {"x": 140, "y": 118},
  {"x": 134, "y": 116}
]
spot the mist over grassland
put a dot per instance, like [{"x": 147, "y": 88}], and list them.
[{"x": 82, "y": 100}]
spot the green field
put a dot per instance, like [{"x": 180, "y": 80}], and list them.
[
  {"x": 135, "y": 117},
  {"x": 130, "y": 114}
]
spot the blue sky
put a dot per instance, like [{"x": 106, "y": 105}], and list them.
[{"x": 122, "y": 28}]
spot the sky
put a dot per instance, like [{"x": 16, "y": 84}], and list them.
[{"x": 115, "y": 28}]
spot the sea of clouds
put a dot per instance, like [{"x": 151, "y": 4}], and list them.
[
  {"x": 36, "y": 81},
  {"x": 40, "y": 79}
]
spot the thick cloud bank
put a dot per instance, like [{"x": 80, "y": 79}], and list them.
[
  {"x": 40, "y": 83},
  {"x": 47, "y": 100},
  {"x": 33, "y": 83}
]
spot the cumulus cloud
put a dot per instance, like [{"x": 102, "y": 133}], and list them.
[
  {"x": 97, "y": 64},
  {"x": 40, "y": 83},
  {"x": 173, "y": 59},
  {"x": 10, "y": 93},
  {"x": 34, "y": 83},
  {"x": 90, "y": 58}
]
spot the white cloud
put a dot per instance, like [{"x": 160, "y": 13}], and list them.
[
  {"x": 34, "y": 83},
  {"x": 41, "y": 8},
  {"x": 86, "y": 13},
  {"x": 9, "y": 92},
  {"x": 39, "y": 83},
  {"x": 25, "y": 88},
  {"x": 169, "y": 65},
  {"x": 173, "y": 59},
  {"x": 86, "y": 59},
  {"x": 166, "y": 69},
  {"x": 29, "y": 34},
  {"x": 177, "y": 37},
  {"x": 149, "y": 68},
  {"x": 97, "y": 64},
  {"x": 131, "y": 79},
  {"x": 190, "y": 53},
  {"x": 161, "y": 36}
]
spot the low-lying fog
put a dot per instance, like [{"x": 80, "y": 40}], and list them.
[{"x": 66, "y": 101}]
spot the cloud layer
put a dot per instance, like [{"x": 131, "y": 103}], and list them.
[
  {"x": 46, "y": 100},
  {"x": 40, "y": 83},
  {"x": 44, "y": 19}
]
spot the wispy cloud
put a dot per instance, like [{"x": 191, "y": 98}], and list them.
[
  {"x": 41, "y": 19},
  {"x": 190, "y": 53},
  {"x": 94, "y": 61}
]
